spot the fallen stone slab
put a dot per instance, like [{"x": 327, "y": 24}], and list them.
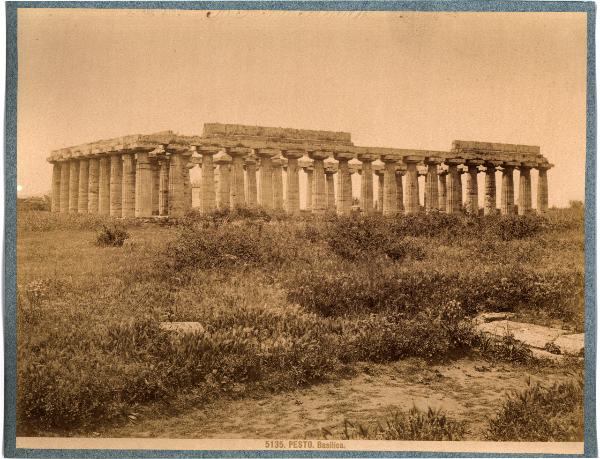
[
  {"x": 182, "y": 327},
  {"x": 570, "y": 344},
  {"x": 530, "y": 334},
  {"x": 545, "y": 355},
  {"x": 493, "y": 316}
]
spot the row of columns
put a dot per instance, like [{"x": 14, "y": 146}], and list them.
[
  {"x": 125, "y": 184},
  {"x": 144, "y": 183}
]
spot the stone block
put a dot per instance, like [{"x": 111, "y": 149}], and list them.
[
  {"x": 570, "y": 344},
  {"x": 493, "y": 316},
  {"x": 530, "y": 334}
]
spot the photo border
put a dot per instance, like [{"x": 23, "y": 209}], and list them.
[{"x": 10, "y": 187}]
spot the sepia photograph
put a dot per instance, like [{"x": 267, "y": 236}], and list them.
[{"x": 331, "y": 229}]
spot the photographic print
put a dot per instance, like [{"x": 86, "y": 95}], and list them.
[{"x": 284, "y": 229}]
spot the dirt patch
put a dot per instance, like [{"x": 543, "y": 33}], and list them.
[{"x": 468, "y": 389}]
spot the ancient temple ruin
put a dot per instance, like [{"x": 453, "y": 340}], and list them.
[{"x": 146, "y": 175}]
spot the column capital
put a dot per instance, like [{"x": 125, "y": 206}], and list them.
[
  {"x": 433, "y": 160},
  {"x": 267, "y": 152},
  {"x": 528, "y": 165},
  {"x": 492, "y": 164},
  {"x": 474, "y": 162},
  {"x": 412, "y": 159},
  {"x": 250, "y": 160},
  {"x": 330, "y": 169},
  {"x": 292, "y": 154},
  {"x": 277, "y": 161},
  {"x": 454, "y": 161},
  {"x": 367, "y": 157},
  {"x": 222, "y": 158},
  {"x": 390, "y": 159},
  {"x": 208, "y": 149},
  {"x": 544, "y": 166},
  {"x": 401, "y": 167},
  {"x": 238, "y": 151},
  {"x": 319, "y": 154},
  {"x": 343, "y": 155},
  {"x": 443, "y": 173},
  {"x": 510, "y": 164}
]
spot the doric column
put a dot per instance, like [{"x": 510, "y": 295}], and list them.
[
  {"x": 461, "y": 170},
  {"x": 378, "y": 171},
  {"x": 431, "y": 184},
  {"x": 223, "y": 163},
  {"x": 293, "y": 181},
  {"x": 366, "y": 183},
  {"x": 400, "y": 172},
  {"x": 237, "y": 193},
  {"x": 155, "y": 172},
  {"x": 128, "y": 186},
  {"x": 65, "y": 170},
  {"x": 55, "y": 186},
  {"x": 472, "y": 186},
  {"x": 163, "y": 186},
  {"x": 307, "y": 167},
  {"x": 251, "y": 194},
  {"x": 84, "y": 183},
  {"x": 104, "y": 186},
  {"x": 355, "y": 167},
  {"x": 73, "y": 185},
  {"x": 507, "y": 201},
  {"x": 208, "y": 195},
  {"x": 542, "y": 187},
  {"x": 490, "y": 187},
  {"x": 187, "y": 183},
  {"x": 143, "y": 185},
  {"x": 411, "y": 205},
  {"x": 116, "y": 184},
  {"x": 389, "y": 185},
  {"x": 93, "y": 185},
  {"x": 319, "y": 197},
  {"x": 525, "y": 187},
  {"x": 266, "y": 176},
  {"x": 442, "y": 195},
  {"x": 277, "y": 177},
  {"x": 330, "y": 169},
  {"x": 344, "y": 201},
  {"x": 453, "y": 186},
  {"x": 178, "y": 198}
]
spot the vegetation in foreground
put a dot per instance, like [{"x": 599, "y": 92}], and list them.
[
  {"x": 283, "y": 302},
  {"x": 538, "y": 413}
]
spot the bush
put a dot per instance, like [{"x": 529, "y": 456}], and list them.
[
  {"x": 240, "y": 244},
  {"x": 432, "y": 425},
  {"x": 332, "y": 288},
  {"x": 541, "y": 414},
  {"x": 111, "y": 236}
]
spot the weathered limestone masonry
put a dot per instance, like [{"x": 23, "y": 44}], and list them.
[{"x": 146, "y": 175}]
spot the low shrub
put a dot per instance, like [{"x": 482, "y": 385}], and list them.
[
  {"x": 505, "y": 349},
  {"x": 541, "y": 414},
  {"x": 111, "y": 236},
  {"x": 433, "y": 425},
  {"x": 333, "y": 288}
]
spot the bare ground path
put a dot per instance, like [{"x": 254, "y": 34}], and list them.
[{"x": 468, "y": 389}]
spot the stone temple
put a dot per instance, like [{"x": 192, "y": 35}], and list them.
[{"x": 146, "y": 175}]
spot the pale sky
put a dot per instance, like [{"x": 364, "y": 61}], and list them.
[{"x": 402, "y": 79}]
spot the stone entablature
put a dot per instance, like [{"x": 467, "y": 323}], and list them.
[
  {"x": 273, "y": 134},
  {"x": 146, "y": 175}
]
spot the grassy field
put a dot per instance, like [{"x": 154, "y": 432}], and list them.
[{"x": 284, "y": 303}]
